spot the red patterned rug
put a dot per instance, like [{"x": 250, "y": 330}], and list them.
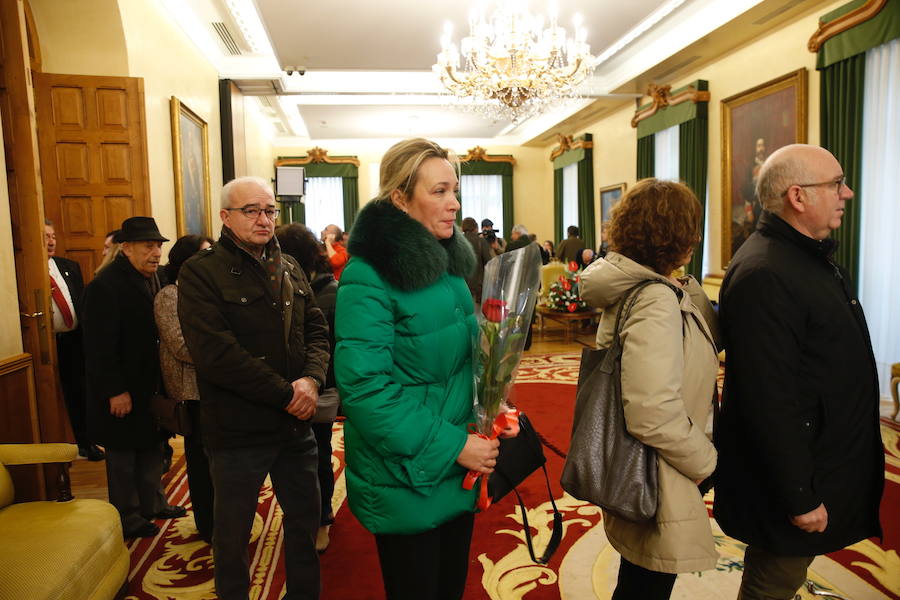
[{"x": 177, "y": 564}]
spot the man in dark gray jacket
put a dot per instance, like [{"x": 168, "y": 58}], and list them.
[
  {"x": 801, "y": 464},
  {"x": 260, "y": 346}
]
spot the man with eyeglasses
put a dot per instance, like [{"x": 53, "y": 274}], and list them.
[
  {"x": 260, "y": 346},
  {"x": 801, "y": 464}
]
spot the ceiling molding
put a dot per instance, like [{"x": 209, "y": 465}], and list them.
[
  {"x": 861, "y": 14},
  {"x": 662, "y": 97},
  {"x": 318, "y": 155},
  {"x": 566, "y": 143},
  {"x": 479, "y": 153}
]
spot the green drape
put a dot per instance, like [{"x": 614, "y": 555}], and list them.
[
  {"x": 841, "y": 114},
  {"x": 505, "y": 171},
  {"x": 586, "y": 198},
  {"x": 584, "y": 158},
  {"x": 349, "y": 174},
  {"x": 350, "y": 187},
  {"x": 293, "y": 211},
  {"x": 558, "y": 225},
  {"x": 878, "y": 30},
  {"x": 646, "y": 156},
  {"x": 693, "y": 155}
]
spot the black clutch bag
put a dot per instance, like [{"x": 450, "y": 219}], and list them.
[{"x": 520, "y": 457}]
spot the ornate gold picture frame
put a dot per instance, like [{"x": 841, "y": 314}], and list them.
[
  {"x": 755, "y": 123},
  {"x": 190, "y": 163}
]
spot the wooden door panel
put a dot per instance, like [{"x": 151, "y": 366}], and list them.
[{"x": 94, "y": 126}]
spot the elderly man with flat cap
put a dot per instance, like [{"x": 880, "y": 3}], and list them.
[
  {"x": 122, "y": 363},
  {"x": 801, "y": 464}
]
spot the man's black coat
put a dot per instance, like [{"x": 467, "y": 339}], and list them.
[
  {"x": 121, "y": 346},
  {"x": 799, "y": 425}
]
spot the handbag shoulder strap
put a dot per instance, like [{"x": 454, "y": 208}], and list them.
[
  {"x": 555, "y": 536},
  {"x": 628, "y": 301}
]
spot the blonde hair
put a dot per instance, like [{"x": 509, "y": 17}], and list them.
[
  {"x": 400, "y": 165},
  {"x": 114, "y": 250}
]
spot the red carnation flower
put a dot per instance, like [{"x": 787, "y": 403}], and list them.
[
  {"x": 567, "y": 285},
  {"x": 494, "y": 310},
  {"x": 572, "y": 307},
  {"x": 573, "y": 266}
]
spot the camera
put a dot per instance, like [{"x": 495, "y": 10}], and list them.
[{"x": 301, "y": 70}]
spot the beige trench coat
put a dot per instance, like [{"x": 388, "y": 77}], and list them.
[{"x": 669, "y": 366}]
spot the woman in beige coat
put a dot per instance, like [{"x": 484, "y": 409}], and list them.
[{"x": 669, "y": 364}]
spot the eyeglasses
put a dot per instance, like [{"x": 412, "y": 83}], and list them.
[
  {"x": 252, "y": 212},
  {"x": 837, "y": 183}
]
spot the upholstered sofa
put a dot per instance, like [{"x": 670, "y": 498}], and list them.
[{"x": 64, "y": 550}]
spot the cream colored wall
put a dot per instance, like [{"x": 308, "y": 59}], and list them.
[
  {"x": 778, "y": 53},
  {"x": 171, "y": 65},
  {"x": 10, "y": 330},
  {"x": 532, "y": 178},
  {"x": 82, "y": 37},
  {"x": 260, "y": 154}
]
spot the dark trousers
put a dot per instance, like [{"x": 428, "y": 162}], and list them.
[
  {"x": 323, "y": 432},
  {"x": 427, "y": 566},
  {"x": 238, "y": 474},
  {"x": 134, "y": 481},
  {"x": 638, "y": 583},
  {"x": 199, "y": 479},
  {"x": 771, "y": 577},
  {"x": 70, "y": 360}
]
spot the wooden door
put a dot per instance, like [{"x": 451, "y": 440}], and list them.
[
  {"x": 93, "y": 153},
  {"x": 37, "y": 413}
]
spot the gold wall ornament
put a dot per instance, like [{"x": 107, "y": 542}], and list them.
[
  {"x": 512, "y": 67},
  {"x": 661, "y": 96},
  {"x": 479, "y": 153},
  {"x": 317, "y": 155},
  {"x": 861, "y": 14},
  {"x": 566, "y": 143}
]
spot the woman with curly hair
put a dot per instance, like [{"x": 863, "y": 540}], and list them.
[{"x": 669, "y": 366}]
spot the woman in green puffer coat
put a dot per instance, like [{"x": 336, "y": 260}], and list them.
[{"x": 403, "y": 359}]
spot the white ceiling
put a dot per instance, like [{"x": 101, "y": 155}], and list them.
[{"x": 367, "y": 63}]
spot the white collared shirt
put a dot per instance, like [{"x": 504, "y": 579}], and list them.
[{"x": 59, "y": 326}]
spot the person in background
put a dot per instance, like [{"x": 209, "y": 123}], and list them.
[
  {"x": 298, "y": 242},
  {"x": 407, "y": 445},
  {"x": 548, "y": 251},
  {"x": 482, "y": 255},
  {"x": 584, "y": 257},
  {"x": 122, "y": 366},
  {"x": 333, "y": 239},
  {"x": 111, "y": 249},
  {"x": 180, "y": 380},
  {"x": 67, "y": 289},
  {"x": 518, "y": 238},
  {"x": 801, "y": 458},
  {"x": 260, "y": 347},
  {"x": 669, "y": 366},
  {"x": 568, "y": 249},
  {"x": 497, "y": 243}
]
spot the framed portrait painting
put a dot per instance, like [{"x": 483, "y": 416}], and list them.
[
  {"x": 755, "y": 123},
  {"x": 609, "y": 195},
  {"x": 190, "y": 161}
]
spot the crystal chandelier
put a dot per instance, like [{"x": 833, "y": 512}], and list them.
[{"x": 514, "y": 68}]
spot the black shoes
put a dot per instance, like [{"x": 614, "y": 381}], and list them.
[
  {"x": 171, "y": 512},
  {"x": 91, "y": 452},
  {"x": 144, "y": 531}
]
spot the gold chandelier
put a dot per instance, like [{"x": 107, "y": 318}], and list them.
[{"x": 513, "y": 67}]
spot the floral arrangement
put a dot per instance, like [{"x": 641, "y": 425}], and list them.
[
  {"x": 509, "y": 292},
  {"x": 564, "y": 295}
]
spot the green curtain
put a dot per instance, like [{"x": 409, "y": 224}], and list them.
[
  {"x": 646, "y": 156},
  {"x": 693, "y": 158},
  {"x": 558, "y": 225},
  {"x": 586, "y": 196},
  {"x": 293, "y": 211},
  {"x": 351, "y": 200},
  {"x": 840, "y": 119},
  {"x": 505, "y": 171}
]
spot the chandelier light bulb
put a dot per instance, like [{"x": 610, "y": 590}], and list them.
[{"x": 513, "y": 67}]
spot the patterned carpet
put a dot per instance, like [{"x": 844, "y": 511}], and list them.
[{"x": 177, "y": 564}]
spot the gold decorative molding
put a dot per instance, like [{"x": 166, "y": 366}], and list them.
[
  {"x": 566, "y": 143},
  {"x": 861, "y": 14},
  {"x": 317, "y": 155},
  {"x": 479, "y": 153},
  {"x": 662, "y": 97}
]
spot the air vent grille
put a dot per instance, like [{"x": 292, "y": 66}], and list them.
[
  {"x": 226, "y": 38},
  {"x": 768, "y": 17}
]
